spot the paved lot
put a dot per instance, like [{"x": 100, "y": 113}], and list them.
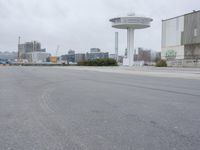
[{"x": 43, "y": 108}]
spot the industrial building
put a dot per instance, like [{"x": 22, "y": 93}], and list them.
[
  {"x": 32, "y": 52},
  {"x": 28, "y": 47},
  {"x": 181, "y": 40},
  {"x": 37, "y": 57}
]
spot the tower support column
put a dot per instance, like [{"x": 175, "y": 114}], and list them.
[
  {"x": 130, "y": 46},
  {"x": 116, "y": 45}
]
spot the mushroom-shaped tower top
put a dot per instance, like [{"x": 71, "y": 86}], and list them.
[{"x": 131, "y": 21}]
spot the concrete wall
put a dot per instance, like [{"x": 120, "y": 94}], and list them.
[
  {"x": 192, "y": 51},
  {"x": 184, "y": 63},
  {"x": 178, "y": 50}
]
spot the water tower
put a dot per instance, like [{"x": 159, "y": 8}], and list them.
[{"x": 130, "y": 22}]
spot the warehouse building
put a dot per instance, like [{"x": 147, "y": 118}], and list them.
[{"x": 181, "y": 40}]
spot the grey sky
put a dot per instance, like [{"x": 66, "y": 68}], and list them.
[{"x": 82, "y": 24}]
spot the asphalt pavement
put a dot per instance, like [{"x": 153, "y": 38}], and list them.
[{"x": 60, "y": 108}]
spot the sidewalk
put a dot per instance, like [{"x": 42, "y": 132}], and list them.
[{"x": 185, "y": 73}]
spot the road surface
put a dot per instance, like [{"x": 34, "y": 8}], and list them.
[{"x": 44, "y": 108}]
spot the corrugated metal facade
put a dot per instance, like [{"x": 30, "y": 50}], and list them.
[
  {"x": 171, "y": 37},
  {"x": 191, "y": 34},
  {"x": 181, "y": 37}
]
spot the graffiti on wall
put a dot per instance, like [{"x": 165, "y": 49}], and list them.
[{"x": 170, "y": 54}]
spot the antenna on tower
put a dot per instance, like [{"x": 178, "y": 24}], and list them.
[{"x": 131, "y": 14}]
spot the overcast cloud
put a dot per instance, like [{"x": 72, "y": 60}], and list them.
[{"x": 82, "y": 24}]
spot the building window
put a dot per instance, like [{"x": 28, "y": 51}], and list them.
[{"x": 195, "y": 32}]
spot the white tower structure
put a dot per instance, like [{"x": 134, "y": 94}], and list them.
[
  {"x": 130, "y": 22},
  {"x": 116, "y": 45}
]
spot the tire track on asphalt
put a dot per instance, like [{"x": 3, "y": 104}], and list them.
[
  {"x": 54, "y": 121},
  {"x": 45, "y": 118},
  {"x": 142, "y": 87}
]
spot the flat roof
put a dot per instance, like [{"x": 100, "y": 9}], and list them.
[{"x": 182, "y": 15}]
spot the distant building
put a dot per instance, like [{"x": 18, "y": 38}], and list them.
[
  {"x": 158, "y": 56},
  {"x": 143, "y": 55},
  {"x": 79, "y": 57},
  {"x": 71, "y": 52},
  {"x": 29, "y": 47},
  {"x": 8, "y": 55},
  {"x": 95, "y": 50},
  {"x": 112, "y": 56},
  {"x": 37, "y": 57},
  {"x": 120, "y": 58},
  {"x": 70, "y": 57},
  {"x": 95, "y": 53},
  {"x": 52, "y": 59},
  {"x": 181, "y": 39}
]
